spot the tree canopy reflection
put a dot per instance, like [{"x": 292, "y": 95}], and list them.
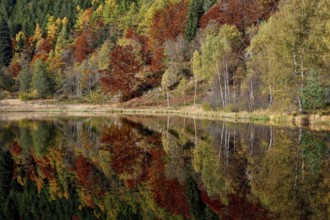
[{"x": 161, "y": 168}]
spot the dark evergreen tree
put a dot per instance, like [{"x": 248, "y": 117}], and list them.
[
  {"x": 25, "y": 80},
  {"x": 5, "y": 43},
  {"x": 313, "y": 95},
  {"x": 194, "y": 13},
  {"x": 41, "y": 82}
]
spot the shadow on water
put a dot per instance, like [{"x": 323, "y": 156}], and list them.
[{"x": 161, "y": 168}]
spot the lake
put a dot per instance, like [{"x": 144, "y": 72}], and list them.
[{"x": 143, "y": 167}]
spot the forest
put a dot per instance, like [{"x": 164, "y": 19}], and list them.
[{"x": 222, "y": 55}]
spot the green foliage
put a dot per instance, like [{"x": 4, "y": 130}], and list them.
[
  {"x": 314, "y": 150},
  {"x": 194, "y": 13},
  {"x": 23, "y": 15},
  {"x": 6, "y": 80},
  {"x": 41, "y": 81},
  {"x": 206, "y": 106},
  {"x": 313, "y": 95},
  {"x": 5, "y": 43},
  {"x": 42, "y": 136},
  {"x": 24, "y": 96},
  {"x": 25, "y": 80}
]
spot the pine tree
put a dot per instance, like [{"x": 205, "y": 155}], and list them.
[
  {"x": 41, "y": 81},
  {"x": 312, "y": 95},
  {"x": 25, "y": 80},
  {"x": 5, "y": 43},
  {"x": 194, "y": 13}
]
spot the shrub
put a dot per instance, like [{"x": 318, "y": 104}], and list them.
[
  {"x": 206, "y": 106},
  {"x": 24, "y": 96}
]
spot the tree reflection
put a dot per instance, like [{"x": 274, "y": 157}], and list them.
[{"x": 169, "y": 168}]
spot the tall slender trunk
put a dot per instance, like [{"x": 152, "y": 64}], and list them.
[
  {"x": 296, "y": 74},
  {"x": 195, "y": 91},
  {"x": 196, "y": 144},
  {"x": 168, "y": 99},
  {"x": 220, "y": 86},
  {"x": 270, "y": 95},
  {"x": 270, "y": 137},
  {"x": 184, "y": 99},
  {"x": 227, "y": 81},
  {"x": 251, "y": 103}
]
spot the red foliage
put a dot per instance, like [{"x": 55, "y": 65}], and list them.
[
  {"x": 46, "y": 46},
  {"x": 238, "y": 208},
  {"x": 45, "y": 167},
  {"x": 157, "y": 60},
  {"x": 126, "y": 157},
  {"x": 83, "y": 46},
  {"x": 83, "y": 168},
  {"x": 145, "y": 52},
  {"x": 168, "y": 193},
  {"x": 168, "y": 23},
  {"x": 14, "y": 69},
  {"x": 41, "y": 56},
  {"x": 16, "y": 149},
  {"x": 240, "y": 13},
  {"x": 121, "y": 76}
]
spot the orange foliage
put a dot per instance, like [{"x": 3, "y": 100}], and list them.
[
  {"x": 45, "y": 167},
  {"x": 41, "y": 56},
  {"x": 14, "y": 69},
  {"x": 168, "y": 193},
  {"x": 240, "y": 13},
  {"x": 168, "y": 23},
  {"x": 143, "y": 41},
  {"x": 46, "y": 46},
  {"x": 126, "y": 157},
  {"x": 83, "y": 46},
  {"x": 238, "y": 208},
  {"x": 83, "y": 168},
  {"x": 121, "y": 76},
  {"x": 16, "y": 149}
]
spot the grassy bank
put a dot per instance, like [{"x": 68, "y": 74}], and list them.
[{"x": 265, "y": 117}]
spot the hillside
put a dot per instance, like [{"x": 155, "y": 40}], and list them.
[{"x": 221, "y": 55}]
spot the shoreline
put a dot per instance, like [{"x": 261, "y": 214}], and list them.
[{"x": 311, "y": 121}]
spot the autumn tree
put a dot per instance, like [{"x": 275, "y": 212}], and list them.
[
  {"x": 182, "y": 89},
  {"x": 282, "y": 60},
  {"x": 169, "y": 78},
  {"x": 164, "y": 27},
  {"x": 196, "y": 69},
  {"x": 83, "y": 46},
  {"x": 220, "y": 59},
  {"x": 121, "y": 77},
  {"x": 241, "y": 14}
]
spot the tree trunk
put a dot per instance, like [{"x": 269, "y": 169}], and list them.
[
  {"x": 195, "y": 91},
  {"x": 220, "y": 86},
  {"x": 168, "y": 99}
]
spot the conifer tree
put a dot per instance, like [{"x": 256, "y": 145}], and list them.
[
  {"x": 312, "y": 95},
  {"x": 41, "y": 82},
  {"x": 194, "y": 13},
  {"x": 5, "y": 43},
  {"x": 25, "y": 79}
]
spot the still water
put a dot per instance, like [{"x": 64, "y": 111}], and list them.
[{"x": 139, "y": 167}]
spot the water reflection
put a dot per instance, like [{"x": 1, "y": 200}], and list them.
[{"x": 161, "y": 168}]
